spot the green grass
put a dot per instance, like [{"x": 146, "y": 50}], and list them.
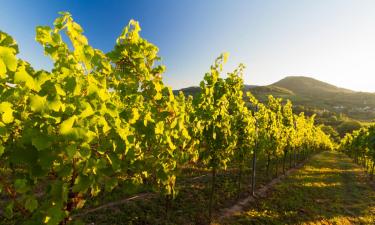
[{"x": 329, "y": 189}]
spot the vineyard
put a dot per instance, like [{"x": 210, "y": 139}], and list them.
[
  {"x": 360, "y": 145},
  {"x": 102, "y": 130}
]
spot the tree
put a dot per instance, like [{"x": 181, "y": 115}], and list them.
[{"x": 348, "y": 127}]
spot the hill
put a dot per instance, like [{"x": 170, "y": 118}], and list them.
[
  {"x": 313, "y": 95},
  {"x": 301, "y": 84}
]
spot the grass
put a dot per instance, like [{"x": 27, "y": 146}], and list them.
[
  {"x": 190, "y": 205},
  {"x": 329, "y": 189}
]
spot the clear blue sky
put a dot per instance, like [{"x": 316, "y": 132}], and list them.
[{"x": 331, "y": 40}]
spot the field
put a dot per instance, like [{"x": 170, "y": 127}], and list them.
[{"x": 329, "y": 189}]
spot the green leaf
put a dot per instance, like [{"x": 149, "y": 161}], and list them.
[
  {"x": 20, "y": 185},
  {"x": 134, "y": 116},
  {"x": 41, "y": 142},
  {"x": 115, "y": 161},
  {"x": 7, "y": 56},
  {"x": 7, "y": 41},
  {"x": 7, "y": 112},
  {"x": 82, "y": 183},
  {"x": 3, "y": 69},
  {"x": 26, "y": 156},
  {"x": 147, "y": 118},
  {"x": 43, "y": 34},
  {"x": 23, "y": 77},
  {"x": 159, "y": 128},
  {"x": 31, "y": 204},
  {"x": 71, "y": 150},
  {"x": 59, "y": 22},
  {"x": 73, "y": 86},
  {"x": 170, "y": 143},
  {"x": 111, "y": 184},
  {"x": 57, "y": 191},
  {"x": 66, "y": 127},
  {"x": 103, "y": 123},
  {"x": 88, "y": 111},
  {"x": 8, "y": 212},
  {"x": 37, "y": 103},
  {"x": 55, "y": 105},
  {"x": 2, "y": 149},
  {"x": 54, "y": 215},
  {"x": 85, "y": 151}
]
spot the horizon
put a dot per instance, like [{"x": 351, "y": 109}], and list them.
[
  {"x": 328, "y": 41},
  {"x": 294, "y": 76}
]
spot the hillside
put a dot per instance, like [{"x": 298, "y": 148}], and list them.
[
  {"x": 312, "y": 93},
  {"x": 315, "y": 95},
  {"x": 301, "y": 84}
]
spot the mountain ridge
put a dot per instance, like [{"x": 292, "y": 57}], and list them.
[
  {"x": 309, "y": 92},
  {"x": 288, "y": 81}
]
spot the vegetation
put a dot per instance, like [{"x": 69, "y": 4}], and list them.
[
  {"x": 343, "y": 110},
  {"x": 309, "y": 92},
  {"x": 360, "y": 145},
  {"x": 99, "y": 122},
  {"x": 329, "y": 189}
]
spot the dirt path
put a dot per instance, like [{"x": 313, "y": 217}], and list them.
[
  {"x": 261, "y": 193},
  {"x": 329, "y": 189},
  {"x": 142, "y": 196}
]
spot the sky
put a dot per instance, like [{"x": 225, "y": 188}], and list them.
[{"x": 330, "y": 40}]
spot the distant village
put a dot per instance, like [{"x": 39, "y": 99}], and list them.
[{"x": 365, "y": 109}]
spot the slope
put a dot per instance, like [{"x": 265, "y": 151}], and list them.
[{"x": 312, "y": 93}]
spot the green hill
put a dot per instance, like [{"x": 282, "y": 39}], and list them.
[
  {"x": 313, "y": 95},
  {"x": 308, "y": 85}
]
